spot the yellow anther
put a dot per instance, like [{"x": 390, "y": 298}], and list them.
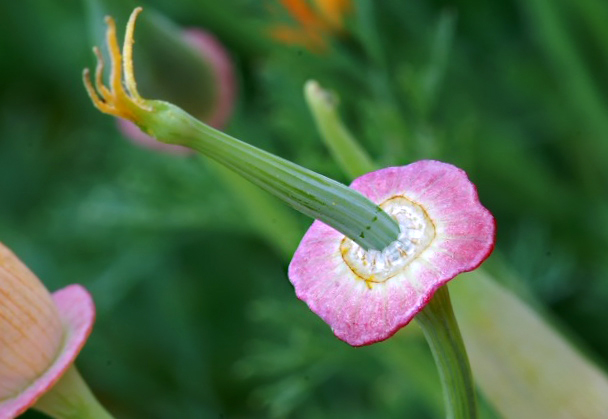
[
  {"x": 115, "y": 100},
  {"x": 115, "y": 58},
  {"x": 128, "y": 56},
  {"x": 100, "y": 104},
  {"x": 103, "y": 90}
]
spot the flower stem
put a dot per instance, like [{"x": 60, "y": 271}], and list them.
[
  {"x": 313, "y": 194},
  {"x": 71, "y": 398},
  {"x": 441, "y": 331},
  {"x": 437, "y": 318}
]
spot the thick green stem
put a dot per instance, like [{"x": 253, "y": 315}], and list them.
[
  {"x": 441, "y": 331},
  {"x": 71, "y": 398},
  {"x": 315, "y": 195}
]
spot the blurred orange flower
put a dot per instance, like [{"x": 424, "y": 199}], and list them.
[{"x": 314, "y": 20}]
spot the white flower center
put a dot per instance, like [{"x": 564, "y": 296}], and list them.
[{"x": 416, "y": 233}]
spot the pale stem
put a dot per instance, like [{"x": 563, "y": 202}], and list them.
[{"x": 71, "y": 398}]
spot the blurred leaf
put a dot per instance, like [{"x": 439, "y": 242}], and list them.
[{"x": 523, "y": 366}]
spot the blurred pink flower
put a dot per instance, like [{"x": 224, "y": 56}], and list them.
[
  {"x": 214, "y": 53},
  {"x": 367, "y": 296},
  {"x": 40, "y": 334}
]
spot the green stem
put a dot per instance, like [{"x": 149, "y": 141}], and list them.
[
  {"x": 71, "y": 398},
  {"x": 313, "y": 194},
  {"x": 343, "y": 146},
  {"x": 441, "y": 331}
]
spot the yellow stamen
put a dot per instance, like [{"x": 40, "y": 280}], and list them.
[
  {"x": 99, "y": 103},
  {"x": 103, "y": 90},
  {"x": 128, "y": 56},
  {"x": 115, "y": 58},
  {"x": 115, "y": 100}
]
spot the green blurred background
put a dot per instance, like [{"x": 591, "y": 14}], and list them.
[{"x": 196, "y": 316}]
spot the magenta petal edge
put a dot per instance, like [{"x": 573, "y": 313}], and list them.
[{"x": 366, "y": 298}]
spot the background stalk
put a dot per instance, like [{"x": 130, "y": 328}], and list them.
[{"x": 71, "y": 398}]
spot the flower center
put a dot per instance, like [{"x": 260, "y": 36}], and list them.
[{"x": 416, "y": 233}]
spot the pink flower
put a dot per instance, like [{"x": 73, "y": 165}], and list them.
[
  {"x": 213, "y": 53},
  {"x": 40, "y": 334},
  {"x": 367, "y": 296}
]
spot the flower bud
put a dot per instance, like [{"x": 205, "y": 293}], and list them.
[
  {"x": 40, "y": 334},
  {"x": 30, "y": 328}
]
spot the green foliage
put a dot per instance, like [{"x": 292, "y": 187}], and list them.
[{"x": 196, "y": 318}]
